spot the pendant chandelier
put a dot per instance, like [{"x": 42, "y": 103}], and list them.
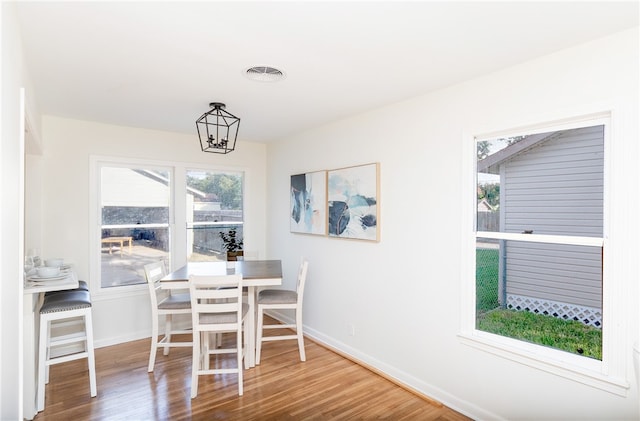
[{"x": 218, "y": 129}]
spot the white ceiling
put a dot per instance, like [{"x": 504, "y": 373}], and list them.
[{"x": 158, "y": 64}]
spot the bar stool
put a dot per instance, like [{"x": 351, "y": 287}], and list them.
[{"x": 61, "y": 306}]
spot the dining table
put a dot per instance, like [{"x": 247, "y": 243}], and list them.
[{"x": 255, "y": 274}]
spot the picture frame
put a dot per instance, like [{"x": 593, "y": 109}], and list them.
[
  {"x": 353, "y": 202},
  {"x": 308, "y": 210}
]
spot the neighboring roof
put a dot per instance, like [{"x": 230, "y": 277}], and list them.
[
  {"x": 491, "y": 164},
  {"x": 164, "y": 180},
  {"x": 484, "y": 206}
]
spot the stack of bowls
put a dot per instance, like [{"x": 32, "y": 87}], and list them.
[
  {"x": 48, "y": 271},
  {"x": 55, "y": 262}
]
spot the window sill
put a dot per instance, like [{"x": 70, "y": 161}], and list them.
[
  {"x": 573, "y": 367},
  {"x": 119, "y": 292}
]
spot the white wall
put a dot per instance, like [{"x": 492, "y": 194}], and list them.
[
  {"x": 14, "y": 77},
  {"x": 403, "y": 295},
  {"x": 67, "y": 147},
  {"x": 413, "y": 273}
]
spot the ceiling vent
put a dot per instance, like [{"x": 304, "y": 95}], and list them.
[{"x": 264, "y": 74}]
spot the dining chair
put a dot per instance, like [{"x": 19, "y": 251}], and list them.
[
  {"x": 217, "y": 307},
  {"x": 281, "y": 299},
  {"x": 167, "y": 304}
]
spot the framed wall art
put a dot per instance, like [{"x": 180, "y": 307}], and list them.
[
  {"x": 308, "y": 213},
  {"x": 353, "y": 195}
]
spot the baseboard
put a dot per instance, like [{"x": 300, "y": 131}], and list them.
[
  {"x": 116, "y": 340},
  {"x": 376, "y": 371},
  {"x": 429, "y": 393}
]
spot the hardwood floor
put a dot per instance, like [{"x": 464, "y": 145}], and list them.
[{"x": 326, "y": 386}]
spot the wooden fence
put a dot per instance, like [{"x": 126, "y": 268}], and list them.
[{"x": 489, "y": 221}]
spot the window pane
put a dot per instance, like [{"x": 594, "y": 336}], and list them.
[
  {"x": 545, "y": 184},
  {"x": 548, "y": 183},
  {"x": 135, "y": 223},
  {"x": 548, "y": 294},
  {"x": 125, "y": 251},
  {"x": 206, "y": 242},
  {"x": 214, "y": 206}
]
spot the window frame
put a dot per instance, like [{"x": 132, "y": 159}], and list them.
[
  {"x": 607, "y": 374},
  {"x": 193, "y": 225},
  {"x": 177, "y": 215}
]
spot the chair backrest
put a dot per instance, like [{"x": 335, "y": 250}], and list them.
[
  {"x": 216, "y": 302},
  {"x": 302, "y": 279},
  {"x": 154, "y": 272}
]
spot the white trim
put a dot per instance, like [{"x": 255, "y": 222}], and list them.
[
  {"x": 580, "y": 369},
  {"x": 214, "y": 224},
  {"x": 591, "y": 119},
  {"x": 177, "y": 215},
  {"x": 21, "y": 224},
  {"x": 543, "y": 238},
  {"x": 608, "y": 374}
]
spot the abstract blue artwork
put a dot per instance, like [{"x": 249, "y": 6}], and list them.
[
  {"x": 353, "y": 198},
  {"x": 309, "y": 203}
]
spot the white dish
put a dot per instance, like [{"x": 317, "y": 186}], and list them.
[
  {"x": 40, "y": 284},
  {"x": 47, "y": 271},
  {"x": 54, "y": 262},
  {"x": 37, "y": 278}
]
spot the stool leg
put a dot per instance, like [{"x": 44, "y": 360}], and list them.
[
  {"x": 42, "y": 356},
  {"x": 91, "y": 360},
  {"x": 48, "y": 352}
]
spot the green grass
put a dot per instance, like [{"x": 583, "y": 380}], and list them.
[{"x": 566, "y": 335}]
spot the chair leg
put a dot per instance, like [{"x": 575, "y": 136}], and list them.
[
  {"x": 91, "y": 360},
  {"x": 195, "y": 364},
  {"x": 239, "y": 355},
  {"x": 303, "y": 357},
  {"x": 167, "y": 333},
  {"x": 246, "y": 346},
  {"x": 204, "y": 346},
  {"x": 154, "y": 344}
]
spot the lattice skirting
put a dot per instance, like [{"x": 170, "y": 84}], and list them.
[{"x": 588, "y": 315}]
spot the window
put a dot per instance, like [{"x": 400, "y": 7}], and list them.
[
  {"x": 537, "y": 273},
  {"x": 539, "y": 238},
  {"x": 214, "y": 206},
  {"x": 141, "y": 217},
  {"x": 135, "y": 215}
]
